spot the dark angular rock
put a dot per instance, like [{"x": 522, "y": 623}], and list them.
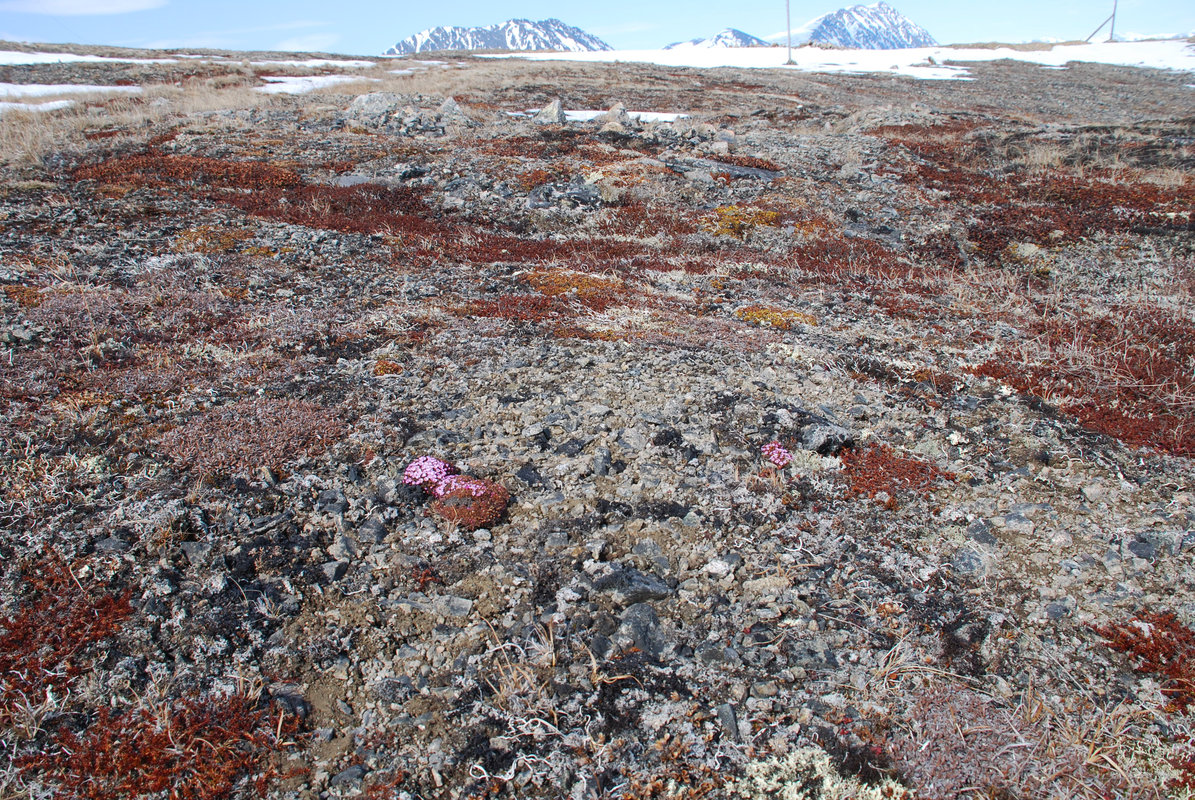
[
  {"x": 729, "y": 720},
  {"x": 530, "y": 476},
  {"x": 981, "y": 531},
  {"x": 332, "y": 501},
  {"x": 351, "y": 776},
  {"x": 112, "y": 545},
  {"x": 641, "y": 626},
  {"x": 372, "y": 531},
  {"x": 630, "y": 586},
  {"x": 197, "y": 552},
  {"x": 334, "y": 570}
]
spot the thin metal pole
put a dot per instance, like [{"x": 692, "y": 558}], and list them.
[
  {"x": 1112, "y": 30},
  {"x": 788, "y": 29}
]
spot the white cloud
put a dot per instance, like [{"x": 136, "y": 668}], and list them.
[
  {"x": 318, "y": 42},
  {"x": 71, "y": 8}
]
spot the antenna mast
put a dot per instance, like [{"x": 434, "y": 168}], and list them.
[
  {"x": 1112, "y": 19},
  {"x": 788, "y": 29}
]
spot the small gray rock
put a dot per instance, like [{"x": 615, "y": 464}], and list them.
[
  {"x": 641, "y": 627},
  {"x": 197, "y": 552},
  {"x": 630, "y": 586},
  {"x": 1019, "y": 523},
  {"x": 969, "y": 562},
  {"x": 617, "y": 115},
  {"x": 334, "y": 570},
  {"x": 1143, "y": 548},
  {"x": 374, "y": 108},
  {"x": 332, "y": 501},
  {"x": 451, "y": 113},
  {"x": 372, "y": 531},
  {"x": 112, "y": 545},
  {"x": 452, "y": 606},
  {"x": 729, "y": 720},
  {"x": 1059, "y": 609},
  {"x": 981, "y": 531},
  {"x": 342, "y": 548},
  {"x": 351, "y": 776},
  {"x": 602, "y": 461}
]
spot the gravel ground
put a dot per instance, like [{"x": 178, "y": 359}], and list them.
[{"x": 961, "y": 311}]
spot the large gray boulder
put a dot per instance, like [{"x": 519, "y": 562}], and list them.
[{"x": 551, "y": 114}]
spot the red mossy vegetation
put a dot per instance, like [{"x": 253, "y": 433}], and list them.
[
  {"x": 154, "y": 168},
  {"x": 1128, "y": 374},
  {"x": 45, "y": 643},
  {"x": 365, "y": 208},
  {"x": 471, "y": 510},
  {"x": 188, "y": 749},
  {"x": 1044, "y": 207},
  {"x": 1160, "y": 645},
  {"x": 635, "y": 217},
  {"x": 878, "y": 469},
  {"x": 251, "y": 434}
]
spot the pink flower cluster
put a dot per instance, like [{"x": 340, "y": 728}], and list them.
[
  {"x": 777, "y": 454},
  {"x": 427, "y": 472},
  {"x": 455, "y": 483},
  {"x": 438, "y": 478},
  {"x": 463, "y": 500}
]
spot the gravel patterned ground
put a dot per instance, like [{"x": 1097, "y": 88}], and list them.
[{"x": 831, "y": 441}]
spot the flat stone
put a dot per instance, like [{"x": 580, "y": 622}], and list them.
[
  {"x": 450, "y": 112},
  {"x": 334, "y": 570},
  {"x": 629, "y": 586},
  {"x": 970, "y": 562},
  {"x": 729, "y": 720},
  {"x": 711, "y": 653},
  {"x": 641, "y": 626},
  {"x": 1059, "y": 609},
  {"x": 452, "y": 606},
  {"x": 530, "y": 475},
  {"x": 351, "y": 776},
  {"x": 1019, "y": 523},
  {"x": 342, "y": 548},
  {"x": 981, "y": 531},
  {"x": 372, "y": 531},
  {"x": 376, "y": 107},
  {"x": 197, "y": 552}
]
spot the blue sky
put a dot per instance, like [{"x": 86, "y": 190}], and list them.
[{"x": 370, "y": 26}]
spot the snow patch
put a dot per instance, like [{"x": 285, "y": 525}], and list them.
[
  {"x": 43, "y": 89},
  {"x": 315, "y": 62},
  {"x": 53, "y": 105},
  {"x": 290, "y": 84},
  {"x": 913, "y": 62},
  {"x": 12, "y": 57},
  {"x": 589, "y": 115}
]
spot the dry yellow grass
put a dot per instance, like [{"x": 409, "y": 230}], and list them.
[{"x": 25, "y": 136}]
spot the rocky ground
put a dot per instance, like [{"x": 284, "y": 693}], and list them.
[{"x": 964, "y": 309}]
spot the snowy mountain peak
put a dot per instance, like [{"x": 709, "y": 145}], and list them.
[
  {"x": 515, "y": 34},
  {"x": 728, "y": 37},
  {"x": 874, "y": 27}
]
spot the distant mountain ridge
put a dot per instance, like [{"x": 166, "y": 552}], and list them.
[
  {"x": 728, "y": 37},
  {"x": 515, "y": 34},
  {"x": 874, "y": 27}
]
